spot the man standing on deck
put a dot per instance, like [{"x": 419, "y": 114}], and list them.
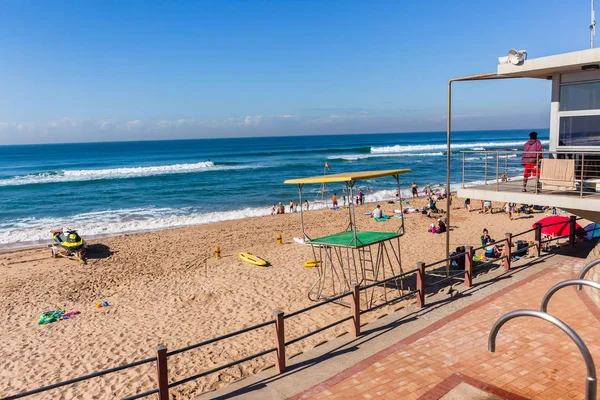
[{"x": 531, "y": 159}]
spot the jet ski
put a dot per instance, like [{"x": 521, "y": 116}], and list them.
[{"x": 68, "y": 244}]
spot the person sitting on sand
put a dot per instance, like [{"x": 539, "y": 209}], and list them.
[
  {"x": 377, "y": 212},
  {"x": 467, "y": 204},
  {"x": 492, "y": 251},
  {"x": 280, "y": 208},
  {"x": 334, "y": 200},
  {"x": 441, "y": 226},
  {"x": 485, "y": 238},
  {"x": 486, "y": 206}
]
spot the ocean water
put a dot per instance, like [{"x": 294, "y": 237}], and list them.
[{"x": 105, "y": 189}]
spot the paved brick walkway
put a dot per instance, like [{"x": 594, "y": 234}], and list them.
[{"x": 533, "y": 358}]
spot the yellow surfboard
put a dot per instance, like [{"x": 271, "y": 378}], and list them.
[
  {"x": 311, "y": 263},
  {"x": 254, "y": 260}
]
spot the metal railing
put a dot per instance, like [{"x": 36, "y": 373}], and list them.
[
  {"x": 568, "y": 173},
  {"x": 424, "y": 282},
  {"x": 591, "y": 380}
]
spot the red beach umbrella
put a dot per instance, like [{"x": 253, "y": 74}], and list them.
[{"x": 561, "y": 228}]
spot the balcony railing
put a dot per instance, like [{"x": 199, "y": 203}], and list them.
[{"x": 556, "y": 173}]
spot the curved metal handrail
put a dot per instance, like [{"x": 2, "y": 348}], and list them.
[
  {"x": 586, "y": 269},
  {"x": 590, "y": 382},
  {"x": 560, "y": 285}
]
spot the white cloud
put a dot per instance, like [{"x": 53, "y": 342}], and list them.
[
  {"x": 131, "y": 125},
  {"x": 253, "y": 120}
]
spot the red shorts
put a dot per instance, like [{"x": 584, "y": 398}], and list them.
[{"x": 531, "y": 169}]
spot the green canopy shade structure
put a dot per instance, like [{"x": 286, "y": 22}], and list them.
[{"x": 354, "y": 256}]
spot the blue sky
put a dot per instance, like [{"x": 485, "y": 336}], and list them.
[{"x": 109, "y": 70}]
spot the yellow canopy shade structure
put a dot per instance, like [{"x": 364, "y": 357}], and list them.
[{"x": 348, "y": 176}]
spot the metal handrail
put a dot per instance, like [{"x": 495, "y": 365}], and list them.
[
  {"x": 590, "y": 382},
  {"x": 560, "y": 285},
  {"x": 587, "y": 268}
]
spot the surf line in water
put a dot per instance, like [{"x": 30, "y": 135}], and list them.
[
  {"x": 28, "y": 232},
  {"x": 431, "y": 147},
  {"x": 117, "y": 173}
]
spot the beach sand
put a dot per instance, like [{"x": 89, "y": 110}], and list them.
[{"x": 158, "y": 293}]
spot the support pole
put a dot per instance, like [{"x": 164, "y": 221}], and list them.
[
  {"x": 421, "y": 284},
  {"x": 356, "y": 310},
  {"x": 507, "y": 251},
  {"x": 572, "y": 229},
  {"x": 448, "y": 154},
  {"x": 538, "y": 238},
  {"x": 469, "y": 266},
  {"x": 162, "y": 372},
  {"x": 279, "y": 341}
]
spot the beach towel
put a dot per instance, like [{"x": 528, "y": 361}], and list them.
[
  {"x": 50, "y": 316},
  {"x": 558, "y": 174}
]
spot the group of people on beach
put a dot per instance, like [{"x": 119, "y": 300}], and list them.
[{"x": 293, "y": 207}]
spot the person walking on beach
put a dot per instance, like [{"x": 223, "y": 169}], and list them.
[
  {"x": 361, "y": 198},
  {"x": 531, "y": 159},
  {"x": 334, "y": 200},
  {"x": 306, "y": 204},
  {"x": 273, "y": 208}
]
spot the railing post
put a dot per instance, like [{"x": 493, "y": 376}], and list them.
[
  {"x": 497, "y": 170},
  {"x": 486, "y": 167},
  {"x": 421, "y": 284},
  {"x": 469, "y": 266},
  {"x": 463, "y": 170},
  {"x": 162, "y": 372},
  {"x": 507, "y": 251},
  {"x": 279, "y": 341},
  {"x": 572, "y": 225},
  {"x": 582, "y": 175},
  {"x": 356, "y": 310},
  {"x": 538, "y": 238}
]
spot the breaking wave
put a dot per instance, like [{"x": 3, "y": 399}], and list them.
[
  {"x": 355, "y": 157},
  {"x": 114, "y": 173},
  {"x": 431, "y": 147}
]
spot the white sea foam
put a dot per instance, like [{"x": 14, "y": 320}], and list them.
[
  {"x": 355, "y": 157},
  {"x": 114, "y": 173},
  {"x": 430, "y": 147}
]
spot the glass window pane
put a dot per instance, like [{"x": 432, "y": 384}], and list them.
[
  {"x": 579, "y": 131},
  {"x": 582, "y": 96}
]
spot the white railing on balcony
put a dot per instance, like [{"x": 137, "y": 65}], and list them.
[{"x": 560, "y": 173}]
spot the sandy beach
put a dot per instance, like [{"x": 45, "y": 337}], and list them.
[{"x": 158, "y": 292}]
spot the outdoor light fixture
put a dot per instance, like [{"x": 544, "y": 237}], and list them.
[
  {"x": 515, "y": 57},
  {"x": 590, "y": 67}
]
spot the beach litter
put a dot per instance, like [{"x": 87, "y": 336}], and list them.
[
  {"x": 55, "y": 315},
  {"x": 102, "y": 304}
]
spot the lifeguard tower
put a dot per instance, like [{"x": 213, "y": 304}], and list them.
[{"x": 354, "y": 256}]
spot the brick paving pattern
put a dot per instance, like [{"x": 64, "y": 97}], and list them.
[{"x": 533, "y": 358}]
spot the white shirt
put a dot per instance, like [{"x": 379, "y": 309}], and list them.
[{"x": 377, "y": 213}]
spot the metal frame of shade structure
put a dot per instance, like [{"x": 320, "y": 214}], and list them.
[{"x": 353, "y": 257}]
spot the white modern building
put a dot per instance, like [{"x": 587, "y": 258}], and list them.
[{"x": 570, "y": 171}]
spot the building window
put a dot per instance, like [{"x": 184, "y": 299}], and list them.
[
  {"x": 580, "y": 130},
  {"x": 581, "y": 96}
]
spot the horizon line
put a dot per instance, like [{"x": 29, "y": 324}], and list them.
[{"x": 267, "y": 136}]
